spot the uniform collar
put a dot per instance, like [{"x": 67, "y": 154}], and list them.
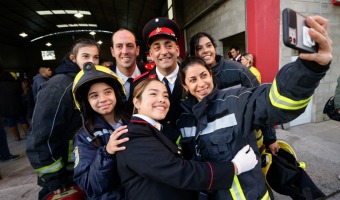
[
  {"x": 153, "y": 122},
  {"x": 125, "y": 78},
  {"x": 171, "y": 77}
]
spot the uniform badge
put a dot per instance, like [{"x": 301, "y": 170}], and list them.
[{"x": 76, "y": 156}]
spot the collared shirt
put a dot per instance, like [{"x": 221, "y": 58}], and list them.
[
  {"x": 171, "y": 77},
  {"x": 117, "y": 125},
  {"x": 153, "y": 122},
  {"x": 125, "y": 78}
]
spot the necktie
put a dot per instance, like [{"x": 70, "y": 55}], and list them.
[
  {"x": 130, "y": 80},
  {"x": 166, "y": 83}
]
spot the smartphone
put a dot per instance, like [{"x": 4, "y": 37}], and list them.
[{"x": 295, "y": 32}]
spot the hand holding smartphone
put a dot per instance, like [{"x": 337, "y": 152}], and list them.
[{"x": 295, "y": 32}]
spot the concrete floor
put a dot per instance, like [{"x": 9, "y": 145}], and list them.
[{"x": 317, "y": 144}]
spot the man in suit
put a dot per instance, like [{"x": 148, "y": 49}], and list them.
[
  {"x": 125, "y": 50},
  {"x": 161, "y": 35}
]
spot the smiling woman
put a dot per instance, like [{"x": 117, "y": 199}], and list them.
[{"x": 151, "y": 166}]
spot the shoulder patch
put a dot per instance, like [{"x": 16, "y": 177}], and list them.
[{"x": 76, "y": 156}]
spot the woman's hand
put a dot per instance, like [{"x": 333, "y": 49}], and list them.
[
  {"x": 274, "y": 148},
  {"x": 114, "y": 142},
  {"x": 318, "y": 32}
]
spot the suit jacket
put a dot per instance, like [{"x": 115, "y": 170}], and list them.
[
  {"x": 151, "y": 168},
  {"x": 176, "y": 97}
]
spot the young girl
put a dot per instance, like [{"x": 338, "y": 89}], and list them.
[
  {"x": 101, "y": 98},
  {"x": 55, "y": 120},
  {"x": 151, "y": 166}
]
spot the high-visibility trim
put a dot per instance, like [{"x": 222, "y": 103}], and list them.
[
  {"x": 178, "y": 140},
  {"x": 286, "y": 103},
  {"x": 236, "y": 190},
  {"x": 266, "y": 196},
  {"x": 56, "y": 166},
  {"x": 70, "y": 157}
]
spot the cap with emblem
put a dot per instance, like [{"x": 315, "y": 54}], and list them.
[{"x": 161, "y": 26}]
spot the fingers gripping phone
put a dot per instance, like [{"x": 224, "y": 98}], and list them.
[{"x": 295, "y": 32}]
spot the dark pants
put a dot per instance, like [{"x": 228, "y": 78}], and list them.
[{"x": 4, "y": 150}]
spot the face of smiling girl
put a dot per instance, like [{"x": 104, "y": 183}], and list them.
[
  {"x": 198, "y": 81},
  {"x": 102, "y": 99},
  {"x": 154, "y": 101},
  {"x": 206, "y": 50}
]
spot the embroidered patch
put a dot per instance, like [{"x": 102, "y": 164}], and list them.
[{"x": 76, "y": 156}]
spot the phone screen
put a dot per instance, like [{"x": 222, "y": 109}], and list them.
[{"x": 295, "y": 32}]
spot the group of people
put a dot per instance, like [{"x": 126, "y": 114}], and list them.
[{"x": 176, "y": 132}]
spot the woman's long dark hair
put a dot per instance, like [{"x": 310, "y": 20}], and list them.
[{"x": 195, "y": 40}]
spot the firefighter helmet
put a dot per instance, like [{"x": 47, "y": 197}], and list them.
[
  {"x": 92, "y": 74},
  {"x": 71, "y": 193},
  {"x": 285, "y": 175}
]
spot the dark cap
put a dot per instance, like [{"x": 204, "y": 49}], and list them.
[{"x": 161, "y": 26}]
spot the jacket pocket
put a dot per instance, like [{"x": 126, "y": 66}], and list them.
[{"x": 217, "y": 145}]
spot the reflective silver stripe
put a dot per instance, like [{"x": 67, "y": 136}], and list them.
[
  {"x": 188, "y": 131},
  {"x": 284, "y": 102},
  {"x": 224, "y": 122},
  {"x": 56, "y": 166}
]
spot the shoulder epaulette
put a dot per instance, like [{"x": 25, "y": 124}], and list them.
[
  {"x": 140, "y": 76},
  {"x": 138, "y": 121}
]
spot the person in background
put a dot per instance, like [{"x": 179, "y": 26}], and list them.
[
  {"x": 5, "y": 154},
  {"x": 27, "y": 98},
  {"x": 235, "y": 53},
  {"x": 247, "y": 60},
  {"x": 151, "y": 166},
  {"x": 11, "y": 106},
  {"x": 217, "y": 123},
  {"x": 125, "y": 50},
  {"x": 332, "y": 107},
  {"x": 100, "y": 96},
  {"x": 44, "y": 74},
  {"x": 161, "y": 35},
  {"x": 55, "y": 121}
]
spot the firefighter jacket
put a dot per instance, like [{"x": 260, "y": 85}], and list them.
[
  {"x": 95, "y": 171},
  {"x": 54, "y": 123},
  {"x": 217, "y": 127},
  {"x": 231, "y": 74},
  {"x": 169, "y": 122},
  {"x": 151, "y": 168}
]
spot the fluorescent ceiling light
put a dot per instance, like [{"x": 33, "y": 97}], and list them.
[
  {"x": 62, "y": 12},
  {"x": 84, "y": 12},
  {"x": 78, "y": 15},
  {"x": 44, "y": 12},
  {"x": 58, "y": 12},
  {"x": 62, "y": 25},
  {"x": 23, "y": 34},
  {"x": 71, "y": 12},
  {"x": 75, "y": 25}
]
